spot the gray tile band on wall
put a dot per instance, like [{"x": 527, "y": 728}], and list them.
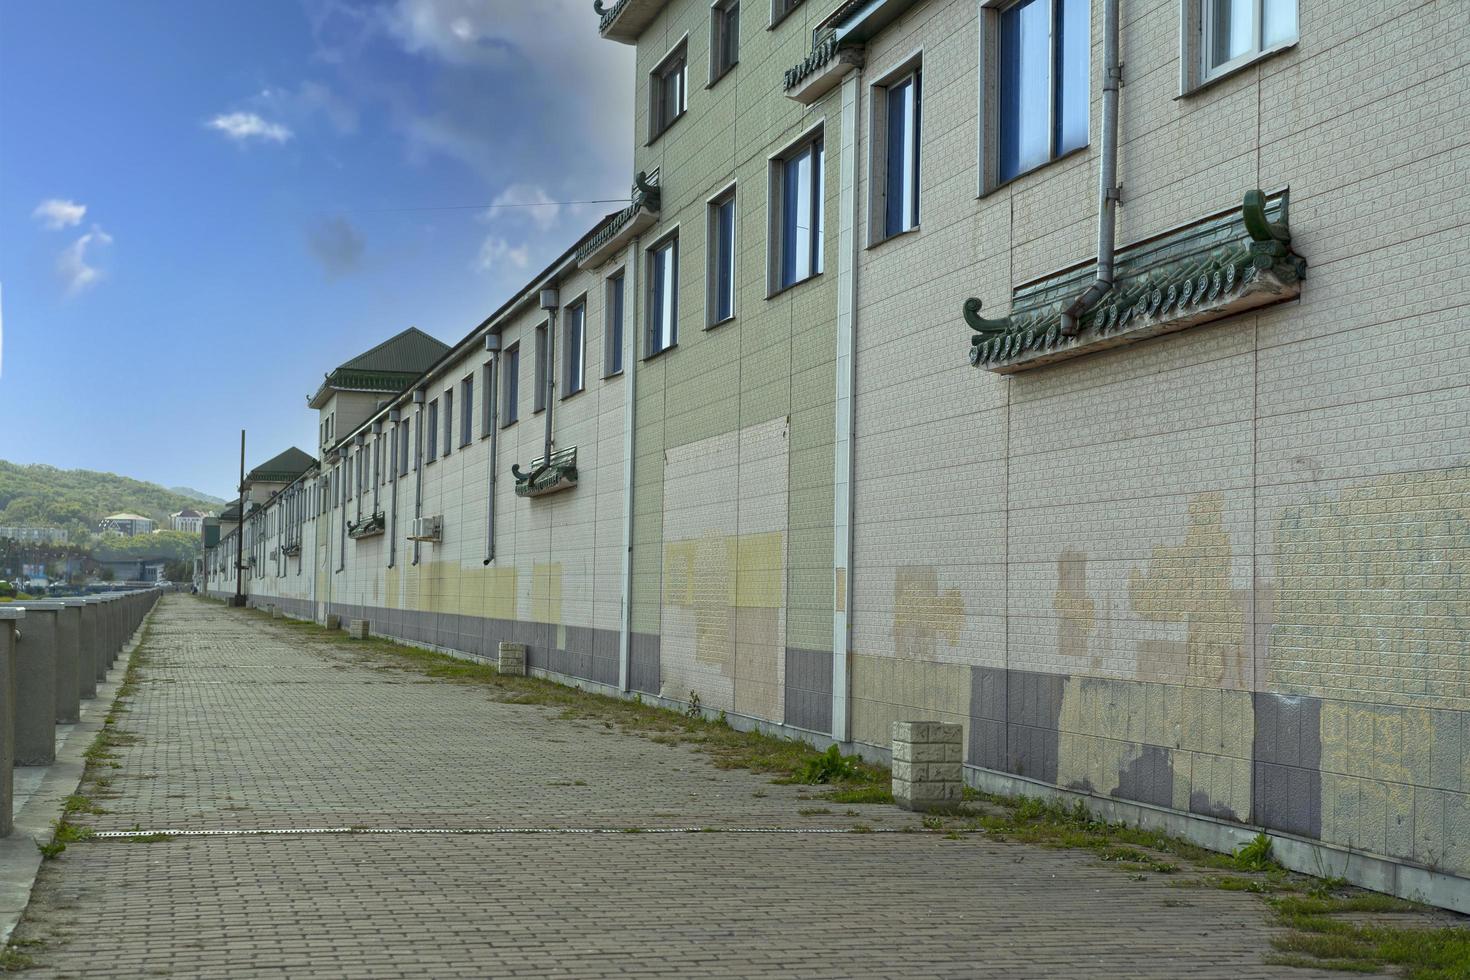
[
  {"x": 1286, "y": 765},
  {"x": 809, "y": 689},
  {"x": 583, "y": 652}
]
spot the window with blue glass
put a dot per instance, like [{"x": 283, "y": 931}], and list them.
[
  {"x": 1042, "y": 83},
  {"x": 899, "y": 101},
  {"x": 663, "y": 296},
  {"x": 722, "y": 259},
  {"x": 800, "y": 232}
]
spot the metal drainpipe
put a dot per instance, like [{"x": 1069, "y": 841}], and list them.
[
  {"x": 396, "y": 420},
  {"x": 418, "y": 465},
  {"x": 492, "y": 418},
  {"x": 1108, "y": 190}
]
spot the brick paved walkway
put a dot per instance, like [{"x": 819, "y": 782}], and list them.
[{"x": 242, "y": 725}]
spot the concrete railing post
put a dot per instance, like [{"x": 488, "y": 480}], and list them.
[
  {"x": 35, "y": 685},
  {"x": 68, "y": 661},
  {"x": 10, "y": 621},
  {"x": 90, "y": 637},
  {"x": 927, "y": 765}
]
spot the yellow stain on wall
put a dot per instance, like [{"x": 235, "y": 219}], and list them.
[
  {"x": 924, "y": 617},
  {"x": 725, "y": 579},
  {"x": 1190, "y": 584},
  {"x": 546, "y": 587},
  {"x": 885, "y": 690},
  {"x": 1075, "y": 608},
  {"x": 1375, "y": 582}
]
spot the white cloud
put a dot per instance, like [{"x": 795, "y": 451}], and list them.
[
  {"x": 462, "y": 31},
  {"x": 242, "y": 126},
  {"x": 55, "y": 213},
  {"x": 525, "y": 201},
  {"x": 496, "y": 251},
  {"x": 72, "y": 264}
]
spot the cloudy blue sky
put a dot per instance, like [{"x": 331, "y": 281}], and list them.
[{"x": 206, "y": 204}]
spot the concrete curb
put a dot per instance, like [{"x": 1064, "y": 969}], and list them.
[{"x": 20, "y": 857}]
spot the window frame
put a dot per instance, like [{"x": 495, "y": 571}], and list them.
[
  {"x": 713, "y": 265},
  {"x": 510, "y": 385},
  {"x": 657, "y": 78},
  {"x": 448, "y": 421},
  {"x": 652, "y": 349},
  {"x": 431, "y": 427},
  {"x": 487, "y": 397},
  {"x": 990, "y": 103},
  {"x": 910, "y": 69},
  {"x": 812, "y": 139},
  {"x": 567, "y": 391},
  {"x": 467, "y": 410},
  {"x": 612, "y": 353},
  {"x": 781, "y": 9},
  {"x": 1196, "y": 35},
  {"x": 541, "y": 366},
  {"x": 719, "y": 34}
]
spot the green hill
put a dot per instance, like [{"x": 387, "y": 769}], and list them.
[{"x": 44, "y": 496}]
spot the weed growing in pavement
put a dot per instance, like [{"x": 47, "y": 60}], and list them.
[
  {"x": 1256, "y": 855},
  {"x": 833, "y": 767},
  {"x": 692, "y": 711}
]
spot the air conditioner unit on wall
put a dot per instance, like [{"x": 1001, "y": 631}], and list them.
[{"x": 427, "y": 528}]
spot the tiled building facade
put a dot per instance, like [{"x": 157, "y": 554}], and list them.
[{"x": 1203, "y": 560}]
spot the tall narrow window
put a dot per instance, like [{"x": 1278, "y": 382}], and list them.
[
  {"x": 1042, "y": 86},
  {"x": 801, "y": 232},
  {"x": 466, "y": 409},
  {"x": 668, "y": 92},
  {"x": 663, "y": 296},
  {"x": 721, "y": 298},
  {"x": 1238, "y": 31},
  {"x": 724, "y": 38},
  {"x": 448, "y": 420},
  {"x": 612, "y": 327},
  {"x": 510, "y": 384},
  {"x": 538, "y": 396},
  {"x": 403, "y": 448},
  {"x": 487, "y": 399},
  {"x": 780, "y": 8},
  {"x": 432, "y": 426},
  {"x": 574, "y": 348},
  {"x": 900, "y": 163}
]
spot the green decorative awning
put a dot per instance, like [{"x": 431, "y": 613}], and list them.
[
  {"x": 369, "y": 527},
  {"x": 1215, "y": 268},
  {"x": 561, "y": 474},
  {"x": 640, "y": 215}
]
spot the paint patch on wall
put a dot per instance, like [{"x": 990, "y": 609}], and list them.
[
  {"x": 723, "y": 634},
  {"x": 924, "y": 616},
  {"x": 1373, "y": 592},
  {"x": 1075, "y": 608},
  {"x": 1190, "y": 584}
]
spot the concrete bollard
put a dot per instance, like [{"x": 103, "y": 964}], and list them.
[
  {"x": 334, "y": 622},
  {"x": 359, "y": 629},
  {"x": 68, "y": 660},
  {"x": 10, "y": 621},
  {"x": 275, "y": 611},
  {"x": 90, "y": 647},
  {"x": 512, "y": 659},
  {"x": 35, "y": 685},
  {"x": 927, "y": 765}
]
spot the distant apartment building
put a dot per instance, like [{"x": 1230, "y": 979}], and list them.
[
  {"x": 188, "y": 520},
  {"x": 1092, "y": 381},
  {"x": 127, "y": 524},
  {"x": 34, "y": 535}
]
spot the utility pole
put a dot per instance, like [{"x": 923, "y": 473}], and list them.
[{"x": 240, "y": 533}]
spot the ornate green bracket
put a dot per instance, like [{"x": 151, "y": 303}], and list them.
[
  {"x": 559, "y": 474},
  {"x": 369, "y": 527},
  {"x": 1226, "y": 264}
]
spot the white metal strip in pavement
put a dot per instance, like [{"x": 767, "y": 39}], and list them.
[{"x": 472, "y": 831}]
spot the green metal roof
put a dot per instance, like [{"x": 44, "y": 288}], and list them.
[
  {"x": 410, "y": 352},
  {"x": 282, "y": 468}
]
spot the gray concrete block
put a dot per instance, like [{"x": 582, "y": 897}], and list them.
[
  {"x": 512, "y": 658},
  {"x": 68, "y": 661}
]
